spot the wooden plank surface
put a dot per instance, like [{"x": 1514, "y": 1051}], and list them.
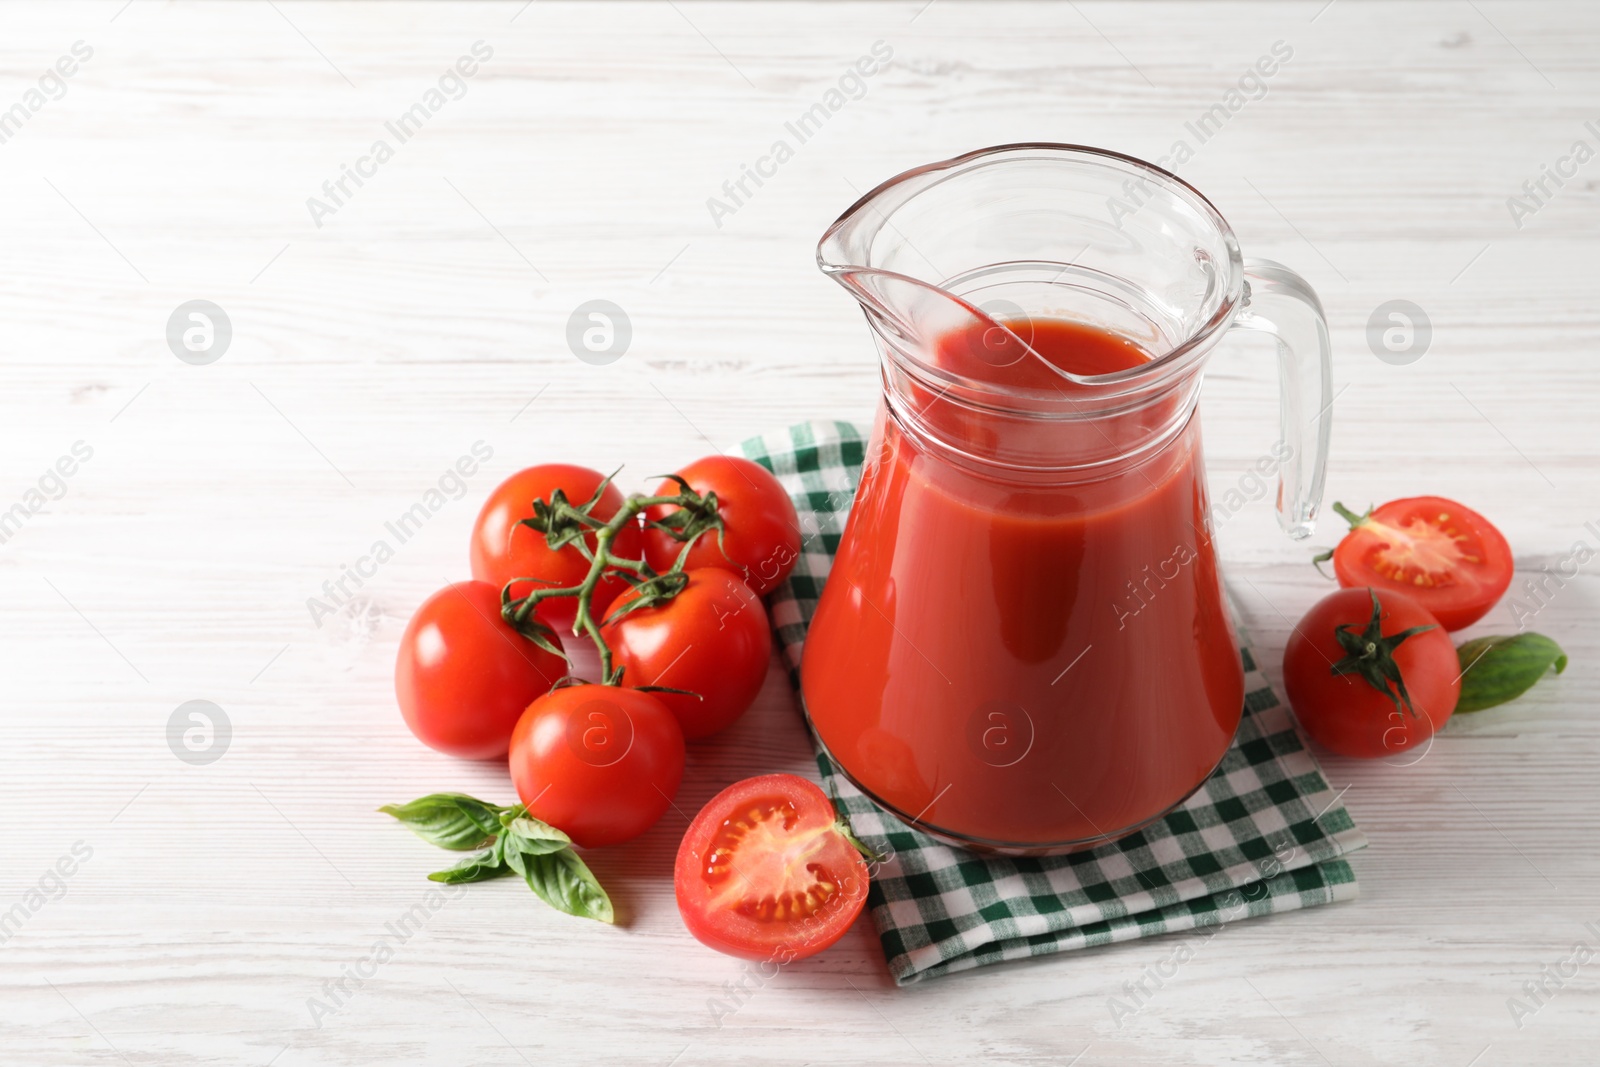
[{"x": 428, "y": 312}]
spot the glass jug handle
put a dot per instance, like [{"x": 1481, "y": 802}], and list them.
[{"x": 1279, "y": 302}]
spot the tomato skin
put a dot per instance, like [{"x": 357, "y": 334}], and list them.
[
  {"x": 761, "y": 534},
  {"x": 502, "y": 550},
  {"x": 462, "y": 676},
  {"x": 600, "y": 762},
  {"x": 793, "y": 851},
  {"x": 1344, "y": 712},
  {"x": 1446, "y": 557},
  {"x": 711, "y": 639}
]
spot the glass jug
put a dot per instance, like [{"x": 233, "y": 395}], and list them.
[{"x": 1023, "y": 644}]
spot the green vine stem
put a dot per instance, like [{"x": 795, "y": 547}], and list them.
[{"x": 568, "y": 525}]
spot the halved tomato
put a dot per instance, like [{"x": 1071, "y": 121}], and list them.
[
  {"x": 1446, "y": 557},
  {"x": 766, "y": 871}
]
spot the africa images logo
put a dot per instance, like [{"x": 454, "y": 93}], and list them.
[
  {"x": 52, "y": 86},
  {"x": 851, "y": 85}
]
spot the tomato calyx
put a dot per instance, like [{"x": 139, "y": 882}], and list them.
[
  {"x": 566, "y": 525},
  {"x": 532, "y": 629},
  {"x": 651, "y": 591},
  {"x": 1355, "y": 521},
  {"x": 563, "y": 523},
  {"x": 691, "y": 520},
  {"x": 1370, "y": 655},
  {"x": 874, "y": 858},
  {"x": 569, "y": 681}
]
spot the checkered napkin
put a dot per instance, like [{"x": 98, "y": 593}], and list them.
[{"x": 1265, "y": 834}]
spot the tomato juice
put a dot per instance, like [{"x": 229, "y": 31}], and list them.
[{"x": 1021, "y": 660}]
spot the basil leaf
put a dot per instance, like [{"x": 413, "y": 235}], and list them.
[
  {"x": 515, "y": 859},
  {"x": 526, "y": 836},
  {"x": 449, "y": 820},
  {"x": 521, "y": 844},
  {"x": 490, "y": 863},
  {"x": 534, "y": 836},
  {"x": 1501, "y": 668},
  {"x": 564, "y": 882}
]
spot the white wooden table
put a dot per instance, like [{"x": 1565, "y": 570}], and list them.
[{"x": 428, "y": 312}]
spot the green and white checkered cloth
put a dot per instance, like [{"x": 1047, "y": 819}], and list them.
[{"x": 1265, "y": 834}]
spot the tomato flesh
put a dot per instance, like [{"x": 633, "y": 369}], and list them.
[
  {"x": 778, "y": 859},
  {"x": 765, "y": 874},
  {"x": 1447, "y": 557}
]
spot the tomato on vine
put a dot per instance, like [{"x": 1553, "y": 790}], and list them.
[
  {"x": 504, "y": 548},
  {"x": 593, "y": 764},
  {"x": 759, "y": 534},
  {"x": 711, "y": 638},
  {"x": 463, "y": 676},
  {"x": 599, "y": 762}
]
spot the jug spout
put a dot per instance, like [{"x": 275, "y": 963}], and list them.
[
  {"x": 916, "y": 284},
  {"x": 983, "y": 246},
  {"x": 914, "y": 314},
  {"x": 904, "y": 307},
  {"x": 961, "y": 304}
]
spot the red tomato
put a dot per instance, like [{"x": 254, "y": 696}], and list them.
[
  {"x": 1447, "y": 558},
  {"x": 503, "y": 550},
  {"x": 1347, "y": 713},
  {"x": 597, "y": 761},
  {"x": 764, "y": 872},
  {"x": 463, "y": 676},
  {"x": 761, "y": 532},
  {"x": 711, "y": 639}
]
